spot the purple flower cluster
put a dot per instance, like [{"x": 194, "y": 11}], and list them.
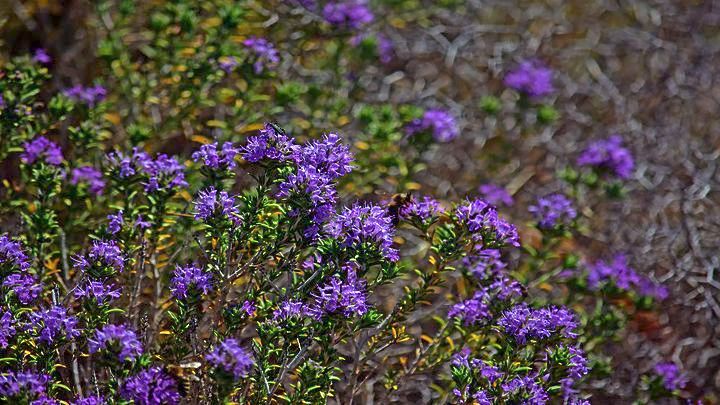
[
  {"x": 264, "y": 53},
  {"x": 90, "y": 95},
  {"x": 230, "y": 357},
  {"x": 52, "y": 324},
  {"x": 624, "y": 277},
  {"x": 671, "y": 377},
  {"x": 126, "y": 166},
  {"x": 440, "y": 122},
  {"x": 211, "y": 203},
  {"x": 472, "y": 311},
  {"x": 118, "y": 340},
  {"x": 385, "y": 47},
  {"x": 364, "y": 223},
  {"x": 89, "y": 175},
  {"x": 13, "y": 254},
  {"x": 188, "y": 279},
  {"x": 528, "y": 389},
  {"x": 270, "y": 144},
  {"x": 96, "y": 290},
  {"x": 531, "y": 78},
  {"x": 485, "y": 263},
  {"x": 482, "y": 220},
  {"x": 13, "y": 383},
  {"x": 7, "y": 328},
  {"x": 422, "y": 210},
  {"x": 224, "y": 159},
  {"x": 42, "y": 148},
  {"x": 27, "y": 288},
  {"x": 228, "y": 64},
  {"x": 102, "y": 255},
  {"x": 151, "y": 387},
  {"x": 610, "y": 155},
  {"x": 164, "y": 174},
  {"x": 347, "y": 297},
  {"x": 350, "y": 14},
  {"x": 318, "y": 165},
  {"x": 552, "y": 211},
  {"x": 496, "y": 195},
  {"x": 115, "y": 222},
  {"x": 91, "y": 400},
  {"x": 524, "y": 323},
  {"x": 290, "y": 309}
]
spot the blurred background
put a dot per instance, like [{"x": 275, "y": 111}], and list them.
[{"x": 648, "y": 70}]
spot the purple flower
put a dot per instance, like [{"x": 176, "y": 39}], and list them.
[
  {"x": 264, "y": 53},
  {"x": 289, "y": 309},
  {"x": 214, "y": 159},
  {"x": 482, "y": 220},
  {"x": 671, "y": 377},
  {"x": 482, "y": 398},
  {"x": 151, "y": 387},
  {"x": 42, "y": 148},
  {"x": 610, "y": 155},
  {"x": 472, "y": 311},
  {"x": 505, "y": 287},
  {"x": 141, "y": 223},
  {"x": 364, "y": 223},
  {"x": 164, "y": 174},
  {"x": 190, "y": 278},
  {"x": 52, "y": 324},
  {"x": 553, "y": 210},
  {"x": 211, "y": 203},
  {"x": 249, "y": 307},
  {"x": 318, "y": 165},
  {"x": 88, "y": 95},
  {"x": 347, "y": 297},
  {"x": 528, "y": 389},
  {"x": 125, "y": 166},
  {"x": 270, "y": 144},
  {"x": 12, "y": 253},
  {"x": 13, "y": 383},
  {"x": 531, "y": 78},
  {"x": 41, "y": 56},
  {"x": 424, "y": 210},
  {"x": 26, "y": 287},
  {"x": 488, "y": 372},
  {"x": 624, "y": 277},
  {"x": 116, "y": 222},
  {"x": 91, "y": 400},
  {"x": 228, "y": 64},
  {"x": 230, "y": 357},
  {"x": 351, "y": 14},
  {"x": 118, "y": 340},
  {"x": 103, "y": 255},
  {"x": 7, "y": 328},
  {"x": 102, "y": 293},
  {"x": 485, "y": 263},
  {"x": 89, "y": 175},
  {"x": 496, "y": 195},
  {"x": 523, "y": 322},
  {"x": 441, "y": 123}
]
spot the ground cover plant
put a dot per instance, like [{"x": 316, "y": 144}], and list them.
[{"x": 270, "y": 257}]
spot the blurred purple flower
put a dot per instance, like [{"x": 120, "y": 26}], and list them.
[
  {"x": 232, "y": 358},
  {"x": 671, "y": 377},
  {"x": 12, "y": 253},
  {"x": 13, "y": 383},
  {"x": 88, "y": 95},
  {"x": 440, "y": 123},
  {"x": 41, "y": 56},
  {"x": 473, "y": 310},
  {"x": 151, "y": 387},
  {"x": 115, "y": 222},
  {"x": 531, "y": 78},
  {"x": 42, "y": 148},
  {"x": 496, "y": 195},
  {"x": 264, "y": 52},
  {"x": 7, "y": 328},
  {"x": 350, "y": 14},
  {"x": 609, "y": 154},
  {"x": 553, "y": 210},
  {"x": 89, "y": 175},
  {"x": 422, "y": 210}
]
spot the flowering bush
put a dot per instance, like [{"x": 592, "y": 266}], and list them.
[{"x": 248, "y": 270}]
